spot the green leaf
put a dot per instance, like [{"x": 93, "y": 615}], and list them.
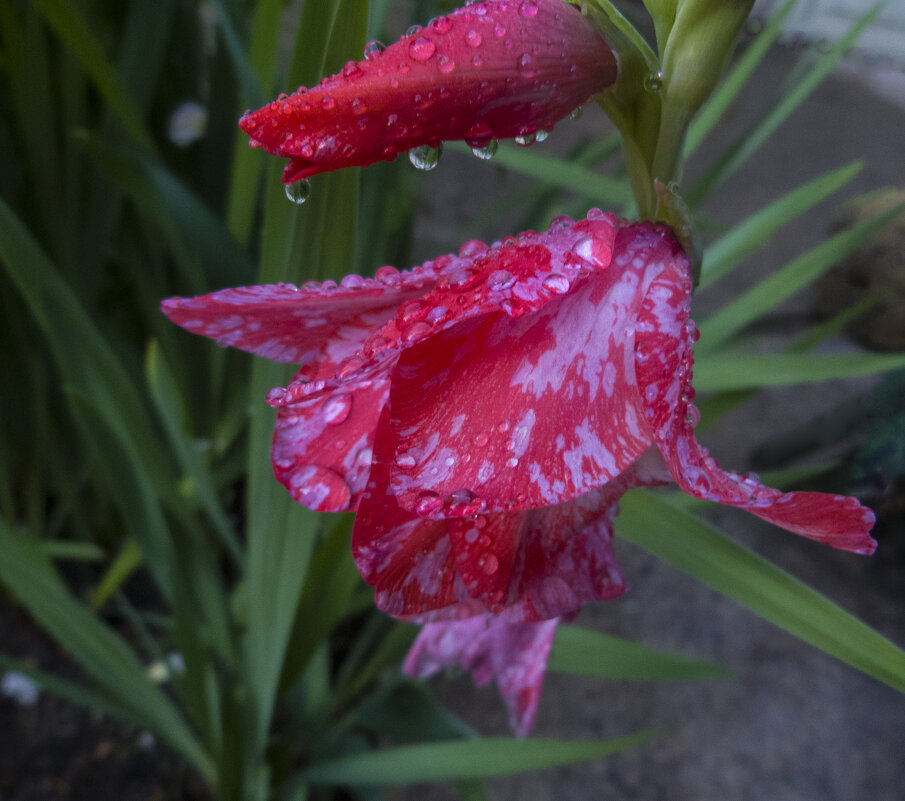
[
  {"x": 771, "y": 593},
  {"x": 753, "y": 233},
  {"x": 469, "y": 759},
  {"x": 103, "y": 655},
  {"x": 796, "y": 275},
  {"x": 750, "y": 141},
  {"x": 552, "y": 171},
  {"x": 74, "y": 30},
  {"x": 733, "y": 371},
  {"x": 588, "y": 653}
]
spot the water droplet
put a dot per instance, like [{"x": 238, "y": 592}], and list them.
[
  {"x": 462, "y": 502},
  {"x": 499, "y": 30},
  {"x": 406, "y": 459},
  {"x": 441, "y": 24},
  {"x": 358, "y": 106},
  {"x": 576, "y": 113},
  {"x": 336, "y": 409},
  {"x": 415, "y": 332},
  {"x": 526, "y": 65},
  {"x": 425, "y": 157},
  {"x": 481, "y": 440},
  {"x": 276, "y": 396},
  {"x": 486, "y": 152},
  {"x": 489, "y": 564},
  {"x": 351, "y": 70},
  {"x": 387, "y": 274},
  {"x": 328, "y": 102},
  {"x": 373, "y": 49},
  {"x": 556, "y": 283},
  {"x": 473, "y": 38},
  {"x": 364, "y": 456},
  {"x": 512, "y": 462},
  {"x": 472, "y": 248},
  {"x": 654, "y": 81},
  {"x": 693, "y": 415},
  {"x": 526, "y": 139},
  {"x": 594, "y": 251},
  {"x": 542, "y": 135},
  {"x": 561, "y": 221},
  {"x": 501, "y": 279},
  {"x": 446, "y": 65},
  {"x": 528, "y": 9},
  {"x": 299, "y": 191},
  {"x": 319, "y": 488},
  {"x": 422, "y": 48},
  {"x": 412, "y": 30},
  {"x": 427, "y": 503},
  {"x": 471, "y": 535}
]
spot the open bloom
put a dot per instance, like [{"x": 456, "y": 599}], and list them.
[
  {"x": 483, "y": 412},
  {"x": 496, "y": 69}
]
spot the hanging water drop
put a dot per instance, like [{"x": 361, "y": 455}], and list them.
[
  {"x": 485, "y": 152},
  {"x": 576, "y": 113},
  {"x": 526, "y": 139},
  {"x": 299, "y": 191},
  {"x": 541, "y": 136},
  {"x": 425, "y": 157}
]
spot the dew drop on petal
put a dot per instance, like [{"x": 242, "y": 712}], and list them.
[
  {"x": 489, "y": 564},
  {"x": 526, "y": 65},
  {"x": 473, "y": 38},
  {"x": 422, "y": 48},
  {"x": 472, "y": 248},
  {"x": 441, "y": 24},
  {"x": 556, "y": 283},
  {"x": 481, "y": 440},
  {"x": 406, "y": 459},
  {"x": 427, "y": 503},
  {"x": 500, "y": 279},
  {"x": 349, "y": 366},
  {"x": 412, "y": 30},
  {"x": 594, "y": 251},
  {"x": 328, "y": 102},
  {"x": 319, "y": 488},
  {"x": 445, "y": 64},
  {"x": 425, "y": 157},
  {"x": 351, "y": 70},
  {"x": 415, "y": 332},
  {"x": 528, "y": 9},
  {"x": 387, "y": 274},
  {"x": 373, "y": 49},
  {"x": 336, "y": 408},
  {"x": 512, "y": 461},
  {"x": 299, "y": 191}
]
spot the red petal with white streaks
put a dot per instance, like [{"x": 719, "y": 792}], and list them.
[
  {"x": 514, "y": 655},
  {"x": 322, "y": 448},
  {"x": 500, "y": 412},
  {"x": 664, "y": 346},
  {"x": 496, "y": 69},
  {"x": 318, "y": 324}
]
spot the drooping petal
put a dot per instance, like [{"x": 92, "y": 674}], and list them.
[
  {"x": 322, "y": 447},
  {"x": 495, "y": 69},
  {"x": 664, "y": 356},
  {"x": 514, "y": 655},
  {"x": 497, "y": 413}
]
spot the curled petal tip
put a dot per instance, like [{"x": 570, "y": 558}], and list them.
[{"x": 491, "y": 70}]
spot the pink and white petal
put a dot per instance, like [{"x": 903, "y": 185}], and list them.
[
  {"x": 322, "y": 448},
  {"x": 533, "y": 409},
  {"x": 317, "y": 325},
  {"x": 513, "y": 654},
  {"x": 664, "y": 356}
]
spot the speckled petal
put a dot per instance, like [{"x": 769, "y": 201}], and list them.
[
  {"x": 664, "y": 345},
  {"x": 318, "y": 324},
  {"x": 322, "y": 447},
  {"x": 526, "y": 565},
  {"x": 496, "y": 69},
  {"x": 500, "y": 412},
  {"x": 514, "y": 655}
]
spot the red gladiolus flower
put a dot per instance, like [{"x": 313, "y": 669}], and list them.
[
  {"x": 484, "y": 412},
  {"x": 497, "y": 69},
  {"x": 492, "y": 649}
]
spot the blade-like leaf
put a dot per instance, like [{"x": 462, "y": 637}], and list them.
[
  {"x": 733, "y": 371},
  {"x": 469, "y": 759},
  {"x": 102, "y": 654},
  {"x": 727, "y": 252},
  {"x": 751, "y": 140},
  {"x": 755, "y": 583},
  {"x": 588, "y": 653}
]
